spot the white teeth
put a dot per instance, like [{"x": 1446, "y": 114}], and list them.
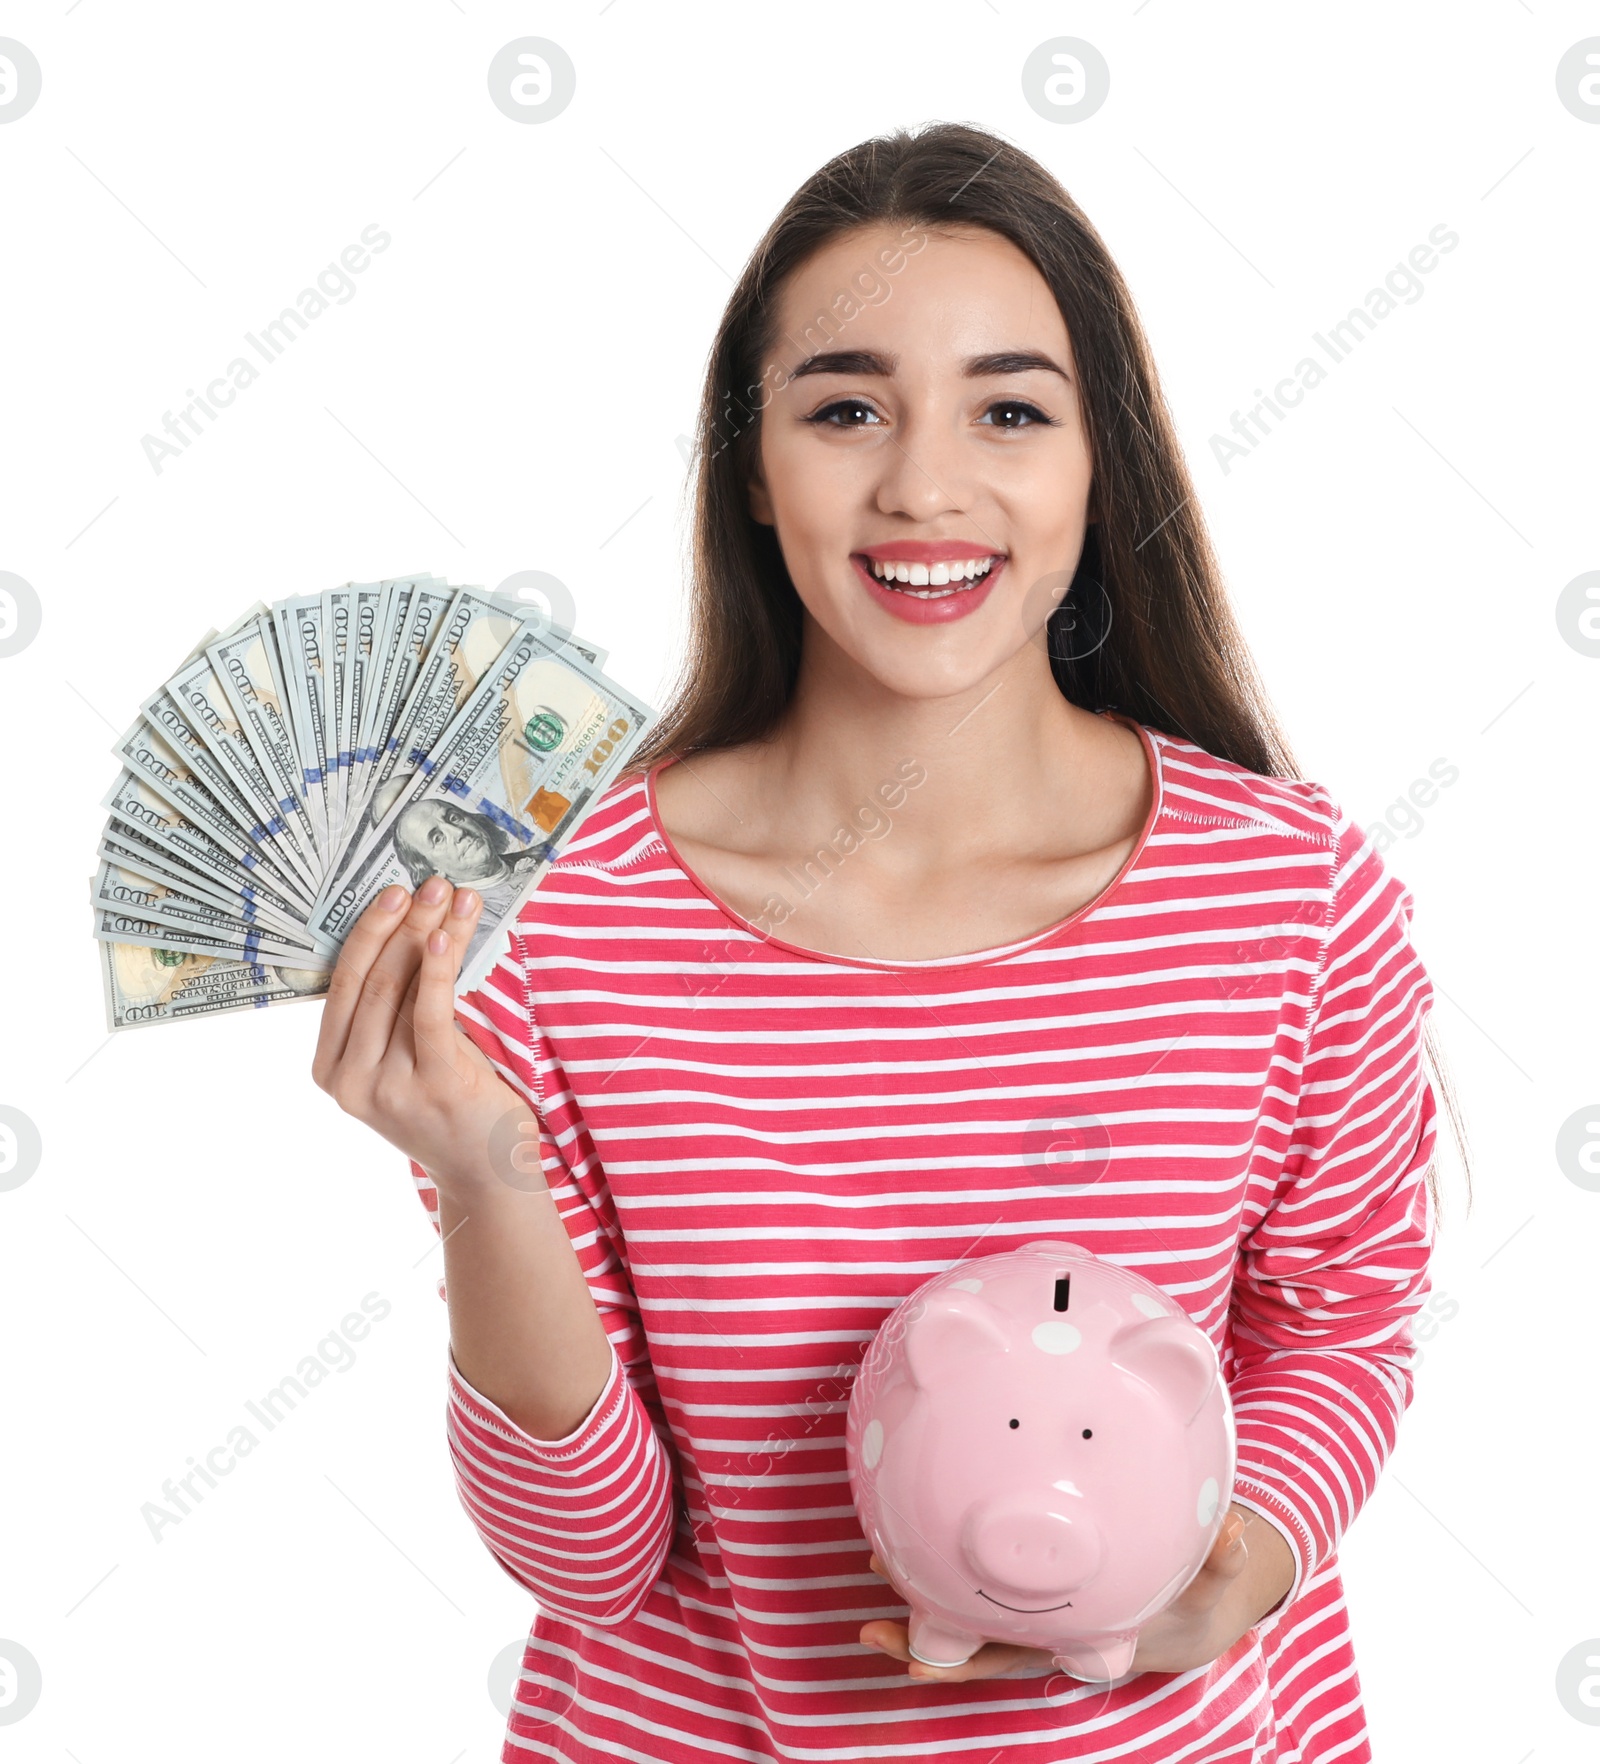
[{"x": 928, "y": 582}]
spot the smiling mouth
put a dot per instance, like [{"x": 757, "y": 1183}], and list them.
[
  {"x": 930, "y": 581},
  {"x": 1025, "y": 1610}
]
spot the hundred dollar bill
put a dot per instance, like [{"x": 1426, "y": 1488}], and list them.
[
  {"x": 158, "y": 986},
  {"x": 440, "y": 688},
  {"x": 198, "y": 691},
  {"x": 133, "y": 909},
  {"x": 529, "y": 614},
  {"x": 113, "y": 926},
  {"x": 167, "y": 767},
  {"x": 427, "y": 606},
  {"x": 379, "y": 627},
  {"x": 130, "y": 851},
  {"x": 377, "y": 667},
  {"x": 246, "y": 663},
  {"x": 387, "y": 660},
  {"x": 472, "y": 637},
  {"x": 311, "y": 749},
  {"x": 368, "y": 603},
  {"x": 444, "y": 680},
  {"x": 511, "y": 778},
  {"x": 134, "y": 804},
  {"x": 175, "y": 725},
  {"x": 337, "y": 605},
  {"x": 303, "y": 649}
]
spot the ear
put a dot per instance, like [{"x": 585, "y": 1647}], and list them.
[
  {"x": 1172, "y": 1356},
  {"x": 953, "y": 1327}
]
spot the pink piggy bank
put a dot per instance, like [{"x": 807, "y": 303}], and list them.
[{"x": 1041, "y": 1451}]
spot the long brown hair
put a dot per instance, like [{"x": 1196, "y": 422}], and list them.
[{"x": 1146, "y": 626}]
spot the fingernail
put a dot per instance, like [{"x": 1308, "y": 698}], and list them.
[
  {"x": 438, "y": 943},
  {"x": 433, "y": 890},
  {"x": 392, "y": 899},
  {"x": 465, "y": 901}
]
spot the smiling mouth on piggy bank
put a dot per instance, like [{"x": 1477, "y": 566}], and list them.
[{"x": 1025, "y": 1610}]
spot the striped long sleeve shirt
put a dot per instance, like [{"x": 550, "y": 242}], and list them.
[{"x": 1211, "y": 1073}]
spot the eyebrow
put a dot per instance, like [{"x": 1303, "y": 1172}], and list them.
[{"x": 867, "y": 361}]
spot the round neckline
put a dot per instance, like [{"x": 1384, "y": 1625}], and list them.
[{"x": 971, "y": 958}]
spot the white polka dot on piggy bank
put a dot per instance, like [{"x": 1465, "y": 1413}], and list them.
[{"x": 1042, "y": 1444}]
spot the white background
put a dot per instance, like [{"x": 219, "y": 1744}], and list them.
[{"x": 504, "y": 392}]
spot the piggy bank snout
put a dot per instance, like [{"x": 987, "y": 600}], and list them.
[{"x": 1019, "y": 1546}]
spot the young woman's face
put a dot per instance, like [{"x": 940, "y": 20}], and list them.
[{"x": 932, "y": 426}]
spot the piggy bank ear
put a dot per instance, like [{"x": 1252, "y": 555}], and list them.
[
  {"x": 955, "y": 1326},
  {"x": 1173, "y": 1357}
]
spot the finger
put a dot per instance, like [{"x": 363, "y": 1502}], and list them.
[
  {"x": 1223, "y": 1542},
  {"x": 1234, "y": 1562},
  {"x": 887, "y": 1638},
  {"x": 389, "y": 978},
  {"x": 992, "y": 1659},
  {"x": 360, "y": 949},
  {"x": 1227, "y": 1543},
  {"x": 1227, "y": 1559},
  {"x": 402, "y": 1049},
  {"x": 433, "y": 1016}
]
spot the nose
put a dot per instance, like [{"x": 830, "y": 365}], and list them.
[
  {"x": 1033, "y": 1552},
  {"x": 926, "y": 476}
]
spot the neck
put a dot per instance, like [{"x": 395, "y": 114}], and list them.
[{"x": 955, "y": 775}]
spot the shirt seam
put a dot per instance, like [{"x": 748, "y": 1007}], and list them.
[
  {"x": 1270, "y": 1497},
  {"x": 613, "y": 868},
  {"x": 1319, "y": 980},
  {"x": 591, "y": 1425},
  {"x": 523, "y": 967},
  {"x": 1242, "y": 821}
]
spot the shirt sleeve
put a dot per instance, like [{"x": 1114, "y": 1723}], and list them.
[
  {"x": 584, "y": 1522},
  {"x": 1332, "y": 1273}
]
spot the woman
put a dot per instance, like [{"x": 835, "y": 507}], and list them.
[{"x": 1110, "y": 972}]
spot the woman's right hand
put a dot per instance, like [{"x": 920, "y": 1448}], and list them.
[{"x": 390, "y": 1051}]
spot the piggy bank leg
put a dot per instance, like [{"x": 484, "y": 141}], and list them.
[
  {"x": 1098, "y": 1662},
  {"x": 935, "y": 1645}
]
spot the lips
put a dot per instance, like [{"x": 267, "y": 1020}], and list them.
[
  {"x": 928, "y": 601},
  {"x": 929, "y": 551}
]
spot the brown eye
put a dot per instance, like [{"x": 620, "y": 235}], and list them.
[
  {"x": 1031, "y": 414},
  {"x": 853, "y": 407}
]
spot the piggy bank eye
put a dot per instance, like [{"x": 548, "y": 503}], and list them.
[
  {"x": 1088, "y": 1433},
  {"x": 1016, "y": 1423}
]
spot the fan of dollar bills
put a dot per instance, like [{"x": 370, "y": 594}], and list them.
[{"x": 320, "y": 749}]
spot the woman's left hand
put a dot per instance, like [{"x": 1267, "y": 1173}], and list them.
[{"x": 1249, "y": 1569}]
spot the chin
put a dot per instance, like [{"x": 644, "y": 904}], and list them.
[{"x": 932, "y": 677}]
